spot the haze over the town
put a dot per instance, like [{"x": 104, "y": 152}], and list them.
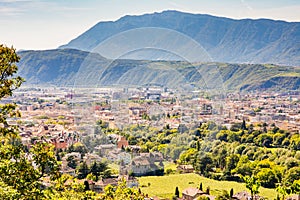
[{"x": 48, "y": 24}]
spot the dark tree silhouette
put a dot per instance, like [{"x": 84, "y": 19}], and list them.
[{"x": 177, "y": 192}]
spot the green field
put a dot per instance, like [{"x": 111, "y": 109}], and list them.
[
  {"x": 164, "y": 186},
  {"x": 170, "y": 165}
]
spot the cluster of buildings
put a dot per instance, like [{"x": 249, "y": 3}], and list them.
[
  {"x": 63, "y": 116},
  {"x": 169, "y": 108}
]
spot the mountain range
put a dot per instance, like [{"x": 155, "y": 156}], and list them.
[
  {"x": 76, "y": 68},
  {"x": 177, "y": 50},
  {"x": 223, "y": 39}
]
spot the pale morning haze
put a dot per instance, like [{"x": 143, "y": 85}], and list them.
[{"x": 45, "y": 24}]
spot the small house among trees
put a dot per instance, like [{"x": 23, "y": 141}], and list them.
[
  {"x": 191, "y": 193},
  {"x": 185, "y": 168}
]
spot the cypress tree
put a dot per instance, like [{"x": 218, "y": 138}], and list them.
[
  {"x": 177, "y": 192},
  {"x": 231, "y": 192}
]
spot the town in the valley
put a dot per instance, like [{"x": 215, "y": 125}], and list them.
[{"x": 152, "y": 130}]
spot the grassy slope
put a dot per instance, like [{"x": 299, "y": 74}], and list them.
[
  {"x": 170, "y": 165},
  {"x": 164, "y": 186}
]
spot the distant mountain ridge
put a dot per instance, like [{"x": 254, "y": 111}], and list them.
[
  {"x": 76, "y": 68},
  {"x": 225, "y": 40}
]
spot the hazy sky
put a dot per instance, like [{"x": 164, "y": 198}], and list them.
[{"x": 47, "y": 24}]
